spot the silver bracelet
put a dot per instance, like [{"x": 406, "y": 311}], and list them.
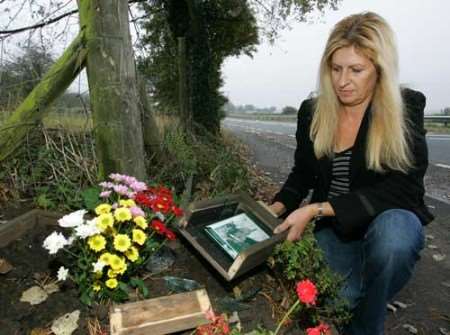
[{"x": 320, "y": 210}]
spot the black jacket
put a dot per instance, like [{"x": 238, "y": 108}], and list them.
[{"x": 370, "y": 192}]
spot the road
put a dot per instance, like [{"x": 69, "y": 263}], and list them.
[{"x": 438, "y": 145}]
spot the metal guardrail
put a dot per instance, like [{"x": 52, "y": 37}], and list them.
[
  {"x": 437, "y": 118},
  {"x": 442, "y": 119}
]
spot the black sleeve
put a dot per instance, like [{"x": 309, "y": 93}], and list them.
[
  {"x": 302, "y": 176},
  {"x": 356, "y": 209}
]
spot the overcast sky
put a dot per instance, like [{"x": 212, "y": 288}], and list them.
[{"x": 285, "y": 73}]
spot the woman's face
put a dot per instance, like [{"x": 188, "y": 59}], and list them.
[{"x": 353, "y": 75}]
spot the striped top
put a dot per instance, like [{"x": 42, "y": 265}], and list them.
[{"x": 340, "y": 175}]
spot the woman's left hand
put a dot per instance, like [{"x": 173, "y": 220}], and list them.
[{"x": 296, "y": 222}]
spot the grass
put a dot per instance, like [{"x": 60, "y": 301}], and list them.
[{"x": 74, "y": 122}]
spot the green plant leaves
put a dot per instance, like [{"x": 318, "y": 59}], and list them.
[{"x": 91, "y": 198}]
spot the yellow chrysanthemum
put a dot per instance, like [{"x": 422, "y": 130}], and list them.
[
  {"x": 97, "y": 242},
  {"x": 96, "y": 287},
  {"x": 122, "y": 270},
  {"x": 139, "y": 236},
  {"x": 132, "y": 254},
  {"x": 140, "y": 222},
  {"x": 105, "y": 258},
  {"x": 122, "y": 214},
  {"x": 111, "y": 273},
  {"x": 121, "y": 242},
  {"x": 112, "y": 283},
  {"x": 127, "y": 203},
  {"x": 104, "y": 221},
  {"x": 103, "y": 209},
  {"x": 117, "y": 263}
]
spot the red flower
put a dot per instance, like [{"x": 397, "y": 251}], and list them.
[
  {"x": 142, "y": 199},
  {"x": 170, "y": 235},
  {"x": 218, "y": 325},
  {"x": 307, "y": 292},
  {"x": 177, "y": 211},
  {"x": 162, "y": 204},
  {"x": 159, "y": 227},
  {"x": 321, "y": 329}
]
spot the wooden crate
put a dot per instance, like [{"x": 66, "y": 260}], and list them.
[
  {"x": 15, "y": 228},
  {"x": 202, "y": 213},
  {"x": 163, "y": 315}
]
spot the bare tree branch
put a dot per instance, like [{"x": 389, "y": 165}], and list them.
[
  {"x": 38, "y": 25},
  {"x": 46, "y": 22}
]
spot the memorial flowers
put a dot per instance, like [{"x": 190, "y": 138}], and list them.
[
  {"x": 104, "y": 249},
  {"x": 307, "y": 294}
]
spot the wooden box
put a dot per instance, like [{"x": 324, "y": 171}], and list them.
[
  {"x": 15, "y": 228},
  {"x": 202, "y": 213},
  {"x": 163, "y": 315}
]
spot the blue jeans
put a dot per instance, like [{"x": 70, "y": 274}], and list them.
[{"x": 376, "y": 267}]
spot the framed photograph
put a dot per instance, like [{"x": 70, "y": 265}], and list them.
[
  {"x": 236, "y": 234},
  {"x": 233, "y": 233}
]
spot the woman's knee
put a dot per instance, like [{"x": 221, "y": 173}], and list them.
[{"x": 395, "y": 234}]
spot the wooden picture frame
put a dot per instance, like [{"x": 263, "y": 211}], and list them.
[{"x": 202, "y": 213}]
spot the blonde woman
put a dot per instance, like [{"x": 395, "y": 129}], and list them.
[{"x": 361, "y": 148}]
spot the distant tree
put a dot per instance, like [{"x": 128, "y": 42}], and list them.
[
  {"x": 446, "y": 111},
  {"x": 289, "y": 110},
  {"x": 250, "y": 108},
  {"x": 19, "y": 76}
]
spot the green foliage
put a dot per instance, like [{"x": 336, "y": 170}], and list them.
[
  {"x": 304, "y": 260},
  {"x": 52, "y": 168},
  {"x": 213, "y": 162},
  {"x": 213, "y": 30},
  {"x": 91, "y": 198}
]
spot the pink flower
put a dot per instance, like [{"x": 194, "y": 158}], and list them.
[
  {"x": 129, "y": 180},
  {"x": 120, "y": 189},
  {"x": 137, "y": 211},
  {"x": 116, "y": 177},
  {"x": 105, "y": 194},
  {"x": 106, "y": 184},
  {"x": 138, "y": 186},
  {"x": 321, "y": 329},
  {"x": 307, "y": 292}
]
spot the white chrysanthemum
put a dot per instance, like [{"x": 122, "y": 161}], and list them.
[
  {"x": 98, "y": 266},
  {"x": 62, "y": 273},
  {"x": 88, "y": 229},
  {"x": 54, "y": 242},
  {"x": 73, "y": 219},
  {"x": 71, "y": 239}
]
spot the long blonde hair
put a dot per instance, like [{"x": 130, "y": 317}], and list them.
[{"x": 387, "y": 145}]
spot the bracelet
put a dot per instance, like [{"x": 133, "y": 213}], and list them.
[{"x": 319, "y": 214}]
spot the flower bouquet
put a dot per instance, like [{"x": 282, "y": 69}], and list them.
[{"x": 105, "y": 250}]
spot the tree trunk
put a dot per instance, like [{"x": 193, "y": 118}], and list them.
[
  {"x": 185, "y": 112},
  {"x": 204, "y": 107},
  {"x": 35, "y": 105},
  {"x": 113, "y": 87}
]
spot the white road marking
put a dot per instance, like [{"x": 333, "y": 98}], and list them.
[{"x": 443, "y": 166}]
